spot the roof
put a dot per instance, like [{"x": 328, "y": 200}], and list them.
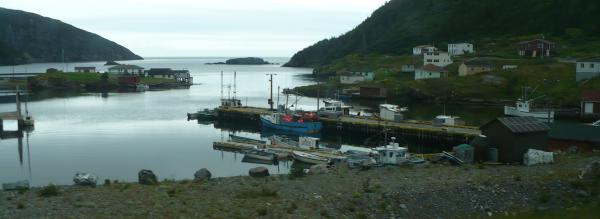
[
  {"x": 433, "y": 68},
  {"x": 541, "y": 40},
  {"x": 126, "y": 67},
  {"x": 519, "y": 125},
  {"x": 589, "y": 95},
  {"x": 592, "y": 59},
  {"x": 574, "y": 132},
  {"x": 478, "y": 62},
  {"x": 424, "y": 46}
]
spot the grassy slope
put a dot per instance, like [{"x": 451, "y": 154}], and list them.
[{"x": 554, "y": 79}]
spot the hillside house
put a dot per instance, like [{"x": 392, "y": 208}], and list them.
[
  {"x": 587, "y": 69},
  {"x": 181, "y": 76},
  {"x": 85, "y": 69},
  {"x": 430, "y": 71},
  {"x": 422, "y": 49},
  {"x": 440, "y": 59},
  {"x": 407, "y": 68},
  {"x": 590, "y": 104},
  {"x": 537, "y": 47},
  {"x": 513, "y": 136},
  {"x": 356, "y": 77},
  {"x": 474, "y": 66},
  {"x": 460, "y": 49},
  {"x": 127, "y": 70}
]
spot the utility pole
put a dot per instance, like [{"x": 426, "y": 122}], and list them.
[
  {"x": 318, "y": 94},
  {"x": 271, "y": 90}
]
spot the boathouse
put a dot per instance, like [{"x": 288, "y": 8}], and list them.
[
  {"x": 513, "y": 136},
  {"x": 564, "y": 136},
  {"x": 181, "y": 76}
]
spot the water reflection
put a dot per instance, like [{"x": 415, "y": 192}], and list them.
[{"x": 19, "y": 135}]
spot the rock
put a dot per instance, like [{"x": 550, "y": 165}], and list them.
[
  {"x": 319, "y": 169},
  {"x": 592, "y": 171},
  {"x": 147, "y": 177},
  {"x": 403, "y": 206},
  {"x": 259, "y": 172},
  {"x": 85, "y": 179},
  {"x": 202, "y": 175}
]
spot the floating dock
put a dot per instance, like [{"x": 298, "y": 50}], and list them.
[{"x": 424, "y": 130}]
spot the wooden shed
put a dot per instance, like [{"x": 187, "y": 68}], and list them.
[{"x": 513, "y": 136}]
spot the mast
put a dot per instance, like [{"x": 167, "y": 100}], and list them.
[
  {"x": 221, "y": 85},
  {"x": 278, "y": 92},
  {"x": 234, "y": 85},
  {"x": 271, "y": 90}
]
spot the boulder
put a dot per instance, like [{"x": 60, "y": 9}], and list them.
[
  {"x": 85, "y": 179},
  {"x": 259, "y": 172},
  {"x": 147, "y": 177},
  {"x": 319, "y": 169},
  {"x": 592, "y": 171},
  {"x": 202, "y": 175}
]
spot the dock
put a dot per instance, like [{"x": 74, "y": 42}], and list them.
[
  {"x": 364, "y": 125},
  {"x": 287, "y": 151}
]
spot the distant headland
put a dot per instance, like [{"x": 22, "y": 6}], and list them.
[{"x": 243, "y": 61}]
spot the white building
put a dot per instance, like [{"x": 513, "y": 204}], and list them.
[
  {"x": 587, "y": 69},
  {"x": 391, "y": 112},
  {"x": 430, "y": 71},
  {"x": 460, "y": 48},
  {"x": 85, "y": 69},
  {"x": 440, "y": 59},
  {"x": 356, "y": 77},
  {"x": 420, "y": 50},
  {"x": 127, "y": 70}
]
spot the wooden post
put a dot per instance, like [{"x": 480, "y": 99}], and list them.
[{"x": 1, "y": 125}]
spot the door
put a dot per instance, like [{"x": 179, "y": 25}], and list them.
[{"x": 588, "y": 108}]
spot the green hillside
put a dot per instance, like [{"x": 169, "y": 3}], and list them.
[
  {"x": 399, "y": 25},
  {"x": 27, "y": 37}
]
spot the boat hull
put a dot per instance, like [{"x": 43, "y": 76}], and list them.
[
  {"x": 308, "y": 158},
  {"x": 541, "y": 115},
  {"x": 295, "y": 127}
]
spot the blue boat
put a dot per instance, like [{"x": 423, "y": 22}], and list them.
[{"x": 286, "y": 122}]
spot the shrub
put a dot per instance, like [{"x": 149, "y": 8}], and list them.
[
  {"x": 292, "y": 207},
  {"x": 20, "y": 205},
  {"x": 49, "y": 191},
  {"x": 262, "y": 211},
  {"x": 107, "y": 182}
]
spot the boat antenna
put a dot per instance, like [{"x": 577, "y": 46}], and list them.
[
  {"x": 278, "y": 91},
  {"x": 271, "y": 90},
  {"x": 234, "y": 85},
  {"x": 221, "y": 85}
]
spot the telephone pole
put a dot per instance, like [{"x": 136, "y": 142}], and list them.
[{"x": 271, "y": 90}]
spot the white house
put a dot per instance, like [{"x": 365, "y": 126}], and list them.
[
  {"x": 440, "y": 59},
  {"x": 460, "y": 48},
  {"x": 182, "y": 76},
  {"x": 127, "y": 70},
  {"x": 85, "y": 69},
  {"x": 587, "y": 69},
  {"x": 420, "y": 50},
  {"x": 430, "y": 71},
  {"x": 390, "y": 112},
  {"x": 356, "y": 77}
]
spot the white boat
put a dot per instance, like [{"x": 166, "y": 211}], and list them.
[
  {"x": 443, "y": 120},
  {"x": 391, "y": 154},
  {"x": 523, "y": 109},
  {"x": 260, "y": 154},
  {"x": 334, "y": 109},
  {"x": 303, "y": 142},
  {"x": 309, "y": 158}
]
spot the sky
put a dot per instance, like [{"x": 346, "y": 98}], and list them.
[{"x": 178, "y": 28}]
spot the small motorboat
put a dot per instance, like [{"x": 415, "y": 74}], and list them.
[
  {"x": 204, "y": 115},
  {"x": 260, "y": 154},
  {"x": 309, "y": 158}
]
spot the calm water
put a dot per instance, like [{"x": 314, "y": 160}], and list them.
[{"x": 117, "y": 135}]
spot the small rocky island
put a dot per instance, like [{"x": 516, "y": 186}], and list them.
[{"x": 243, "y": 61}]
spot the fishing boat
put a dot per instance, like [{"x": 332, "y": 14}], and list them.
[
  {"x": 334, "y": 109},
  {"x": 303, "y": 124},
  {"x": 241, "y": 139},
  {"x": 260, "y": 154},
  {"x": 524, "y": 108},
  {"x": 204, "y": 115},
  {"x": 308, "y": 158},
  {"x": 391, "y": 154}
]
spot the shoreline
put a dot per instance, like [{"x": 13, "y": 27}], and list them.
[{"x": 425, "y": 191}]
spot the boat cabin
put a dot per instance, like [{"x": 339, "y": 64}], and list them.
[
  {"x": 391, "y": 154},
  {"x": 334, "y": 109},
  {"x": 231, "y": 103},
  {"x": 308, "y": 142}
]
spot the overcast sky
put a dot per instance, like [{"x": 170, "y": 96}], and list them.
[{"x": 207, "y": 27}]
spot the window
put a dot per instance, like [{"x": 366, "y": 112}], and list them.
[
  {"x": 429, "y": 60},
  {"x": 592, "y": 65},
  {"x": 582, "y": 65},
  {"x": 391, "y": 154}
]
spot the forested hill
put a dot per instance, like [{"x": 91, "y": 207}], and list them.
[
  {"x": 27, "y": 37},
  {"x": 401, "y": 24}
]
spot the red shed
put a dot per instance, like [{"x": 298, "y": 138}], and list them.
[
  {"x": 590, "y": 104},
  {"x": 536, "y": 47}
]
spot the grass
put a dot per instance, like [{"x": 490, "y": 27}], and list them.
[
  {"x": 591, "y": 210},
  {"x": 49, "y": 191},
  {"x": 258, "y": 193}
]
